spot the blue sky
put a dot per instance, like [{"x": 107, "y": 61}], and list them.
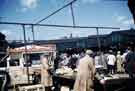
[{"x": 87, "y": 13}]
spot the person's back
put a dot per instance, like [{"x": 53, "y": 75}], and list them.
[
  {"x": 72, "y": 62},
  {"x": 85, "y": 74},
  {"x": 84, "y": 64},
  {"x": 130, "y": 63},
  {"x": 97, "y": 60},
  {"x": 119, "y": 62},
  {"x": 111, "y": 63},
  {"x": 104, "y": 61},
  {"x": 46, "y": 78},
  {"x": 130, "y": 57},
  {"x": 56, "y": 62},
  {"x": 111, "y": 59}
]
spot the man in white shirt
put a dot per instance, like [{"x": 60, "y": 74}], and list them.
[{"x": 111, "y": 62}]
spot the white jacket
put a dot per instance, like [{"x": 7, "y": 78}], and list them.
[{"x": 111, "y": 59}]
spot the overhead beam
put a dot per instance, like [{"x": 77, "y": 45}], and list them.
[{"x": 60, "y": 26}]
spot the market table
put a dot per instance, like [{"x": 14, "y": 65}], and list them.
[
  {"x": 63, "y": 80},
  {"x": 117, "y": 82}
]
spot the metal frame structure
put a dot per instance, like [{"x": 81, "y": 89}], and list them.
[
  {"x": 51, "y": 25},
  {"x": 70, "y": 3}
]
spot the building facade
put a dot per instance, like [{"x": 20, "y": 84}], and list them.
[{"x": 115, "y": 40}]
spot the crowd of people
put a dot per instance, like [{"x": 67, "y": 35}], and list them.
[
  {"x": 105, "y": 62},
  {"x": 88, "y": 63}
]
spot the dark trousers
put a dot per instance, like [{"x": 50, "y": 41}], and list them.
[{"x": 111, "y": 69}]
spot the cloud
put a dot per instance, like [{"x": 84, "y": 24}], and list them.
[
  {"x": 28, "y": 4},
  {"x": 11, "y": 34},
  {"x": 120, "y": 18},
  {"x": 124, "y": 20},
  {"x": 23, "y": 9},
  {"x": 90, "y": 1},
  {"x": 6, "y": 32},
  {"x": 128, "y": 22}
]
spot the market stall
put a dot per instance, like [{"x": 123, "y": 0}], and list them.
[
  {"x": 64, "y": 77},
  {"x": 117, "y": 82}
]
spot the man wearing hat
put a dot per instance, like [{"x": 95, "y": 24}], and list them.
[{"x": 85, "y": 74}]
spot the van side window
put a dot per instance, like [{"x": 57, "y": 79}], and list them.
[
  {"x": 33, "y": 58},
  {"x": 14, "y": 62},
  {"x": 3, "y": 64}
]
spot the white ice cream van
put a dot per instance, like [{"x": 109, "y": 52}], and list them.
[{"x": 25, "y": 61}]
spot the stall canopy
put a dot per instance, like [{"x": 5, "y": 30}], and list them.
[{"x": 34, "y": 48}]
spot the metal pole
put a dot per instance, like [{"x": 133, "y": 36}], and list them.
[
  {"x": 25, "y": 56},
  {"x": 98, "y": 40},
  {"x": 72, "y": 13},
  {"x": 33, "y": 34}
]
